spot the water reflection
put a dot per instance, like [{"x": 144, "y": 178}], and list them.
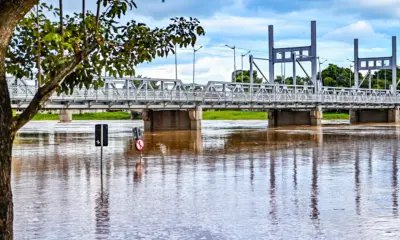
[
  {"x": 395, "y": 183},
  {"x": 102, "y": 213},
  {"x": 357, "y": 180},
  {"x": 314, "y": 186},
  {"x": 222, "y": 183}
]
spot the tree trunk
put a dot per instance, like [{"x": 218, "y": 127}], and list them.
[
  {"x": 6, "y": 140},
  {"x": 11, "y": 12}
]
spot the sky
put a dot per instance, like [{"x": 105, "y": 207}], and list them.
[{"x": 244, "y": 24}]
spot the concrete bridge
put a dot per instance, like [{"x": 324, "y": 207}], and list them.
[{"x": 171, "y": 104}]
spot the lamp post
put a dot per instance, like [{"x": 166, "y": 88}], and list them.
[
  {"x": 243, "y": 55},
  {"x": 234, "y": 60},
  {"x": 350, "y": 69},
  {"x": 194, "y": 60},
  {"x": 350, "y": 75}
]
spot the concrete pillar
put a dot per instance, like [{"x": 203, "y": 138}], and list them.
[
  {"x": 172, "y": 119},
  {"x": 375, "y": 116},
  {"x": 65, "y": 116},
  {"x": 316, "y": 116},
  {"x": 195, "y": 115},
  {"x": 353, "y": 116},
  {"x": 284, "y": 117},
  {"x": 394, "y": 115}
]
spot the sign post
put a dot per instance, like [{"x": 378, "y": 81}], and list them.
[
  {"x": 101, "y": 140},
  {"x": 139, "y": 143}
]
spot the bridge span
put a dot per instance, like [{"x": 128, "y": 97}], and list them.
[{"x": 171, "y": 104}]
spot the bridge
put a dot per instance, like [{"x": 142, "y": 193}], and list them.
[
  {"x": 172, "y": 104},
  {"x": 290, "y": 103}
]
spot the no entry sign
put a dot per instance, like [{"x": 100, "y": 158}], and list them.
[{"x": 139, "y": 144}]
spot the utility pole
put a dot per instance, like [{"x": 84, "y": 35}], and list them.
[
  {"x": 350, "y": 76},
  {"x": 355, "y": 69},
  {"x": 194, "y": 60},
  {"x": 294, "y": 68},
  {"x": 369, "y": 80},
  {"x": 243, "y": 55},
  {"x": 234, "y": 61},
  {"x": 320, "y": 72}
]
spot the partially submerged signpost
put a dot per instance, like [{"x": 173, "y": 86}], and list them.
[
  {"x": 101, "y": 140},
  {"x": 139, "y": 144}
]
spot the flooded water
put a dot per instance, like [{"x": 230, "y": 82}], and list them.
[{"x": 232, "y": 180}]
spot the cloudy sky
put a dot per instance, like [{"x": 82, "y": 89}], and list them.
[{"x": 244, "y": 23}]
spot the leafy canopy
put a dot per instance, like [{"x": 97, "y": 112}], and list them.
[{"x": 111, "y": 47}]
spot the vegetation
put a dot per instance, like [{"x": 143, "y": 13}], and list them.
[
  {"x": 102, "y": 116},
  {"x": 72, "y": 52},
  {"x": 336, "y": 116},
  {"x": 335, "y": 76},
  {"x": 246, "y": 77},
  {"x": 248, "y": 115},
  {"x": 234, "y": 115},
  {"x": 207, "y": 115}
]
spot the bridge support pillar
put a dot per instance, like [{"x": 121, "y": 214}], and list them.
[
  {"x": 374, "y": 115},
  {"x": 172, "y": 119},
  {"x": 65, "y": 116},
  {"x": 284, "y": 117}
]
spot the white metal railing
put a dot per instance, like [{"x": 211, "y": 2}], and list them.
[{"x": 164, "y": 91}]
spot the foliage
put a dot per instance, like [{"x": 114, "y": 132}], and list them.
[
  {"x": 246, "y": 77},
  {"x": 335, "y": 76},
  {"x": 340, "y": 77},
  {"x": 289, "y": 80},
  {"x": 114, "y": 48}
]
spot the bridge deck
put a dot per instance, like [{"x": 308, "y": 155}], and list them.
[{"x": 173, "y": 94}]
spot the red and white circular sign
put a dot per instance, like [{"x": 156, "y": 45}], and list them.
[{"x": 139, "y": 145}]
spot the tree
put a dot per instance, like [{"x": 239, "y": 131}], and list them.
[
  {"x": 335, "y": 76},
  {"x": 246, "y": 77},
  {"x": 71, "y": 53}
]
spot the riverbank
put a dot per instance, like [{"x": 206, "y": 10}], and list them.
[
  {"x": 86, "y": 116},
  {"x": 207, "y": 115}
]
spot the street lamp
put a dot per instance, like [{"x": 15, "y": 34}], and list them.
[
  {"x": 320, "y": 73},
  {"x": 194, "y": 60},
  {"x": 283, "y": 80},
  {"x": 234, "y": 60},
  {"x": 243, "y": 55},
  {"x": 350, "y": 69}
]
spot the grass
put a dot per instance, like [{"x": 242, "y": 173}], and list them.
[
  {"x": 87, "y": 116},
  {"x": 336, "y": 116},
  {"x": 239, "y": 115},
  {"x": 234, "y": 115},
  {"x": 45, "y": 116},
  {"x": 102, "y": 116},
  {"x": 207, "y": 115}
]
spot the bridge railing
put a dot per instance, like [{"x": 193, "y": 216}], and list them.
[{"x": 174, "y": 91}]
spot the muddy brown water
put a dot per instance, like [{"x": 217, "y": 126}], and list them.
[{"x": 232, "y": 180}]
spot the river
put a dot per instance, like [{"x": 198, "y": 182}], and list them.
[{"x": 232, "y": 180}]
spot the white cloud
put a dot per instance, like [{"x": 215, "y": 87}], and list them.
[{"x": 360, "y": 29}]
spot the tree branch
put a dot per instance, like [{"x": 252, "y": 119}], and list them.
[
  {"x": 98, "y": 16},
  {"x": 45, "y": 92}
]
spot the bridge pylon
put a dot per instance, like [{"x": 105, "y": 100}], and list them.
[
  {"x": 376, "y": 63},
  {"x": 293, "y": 54}
]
